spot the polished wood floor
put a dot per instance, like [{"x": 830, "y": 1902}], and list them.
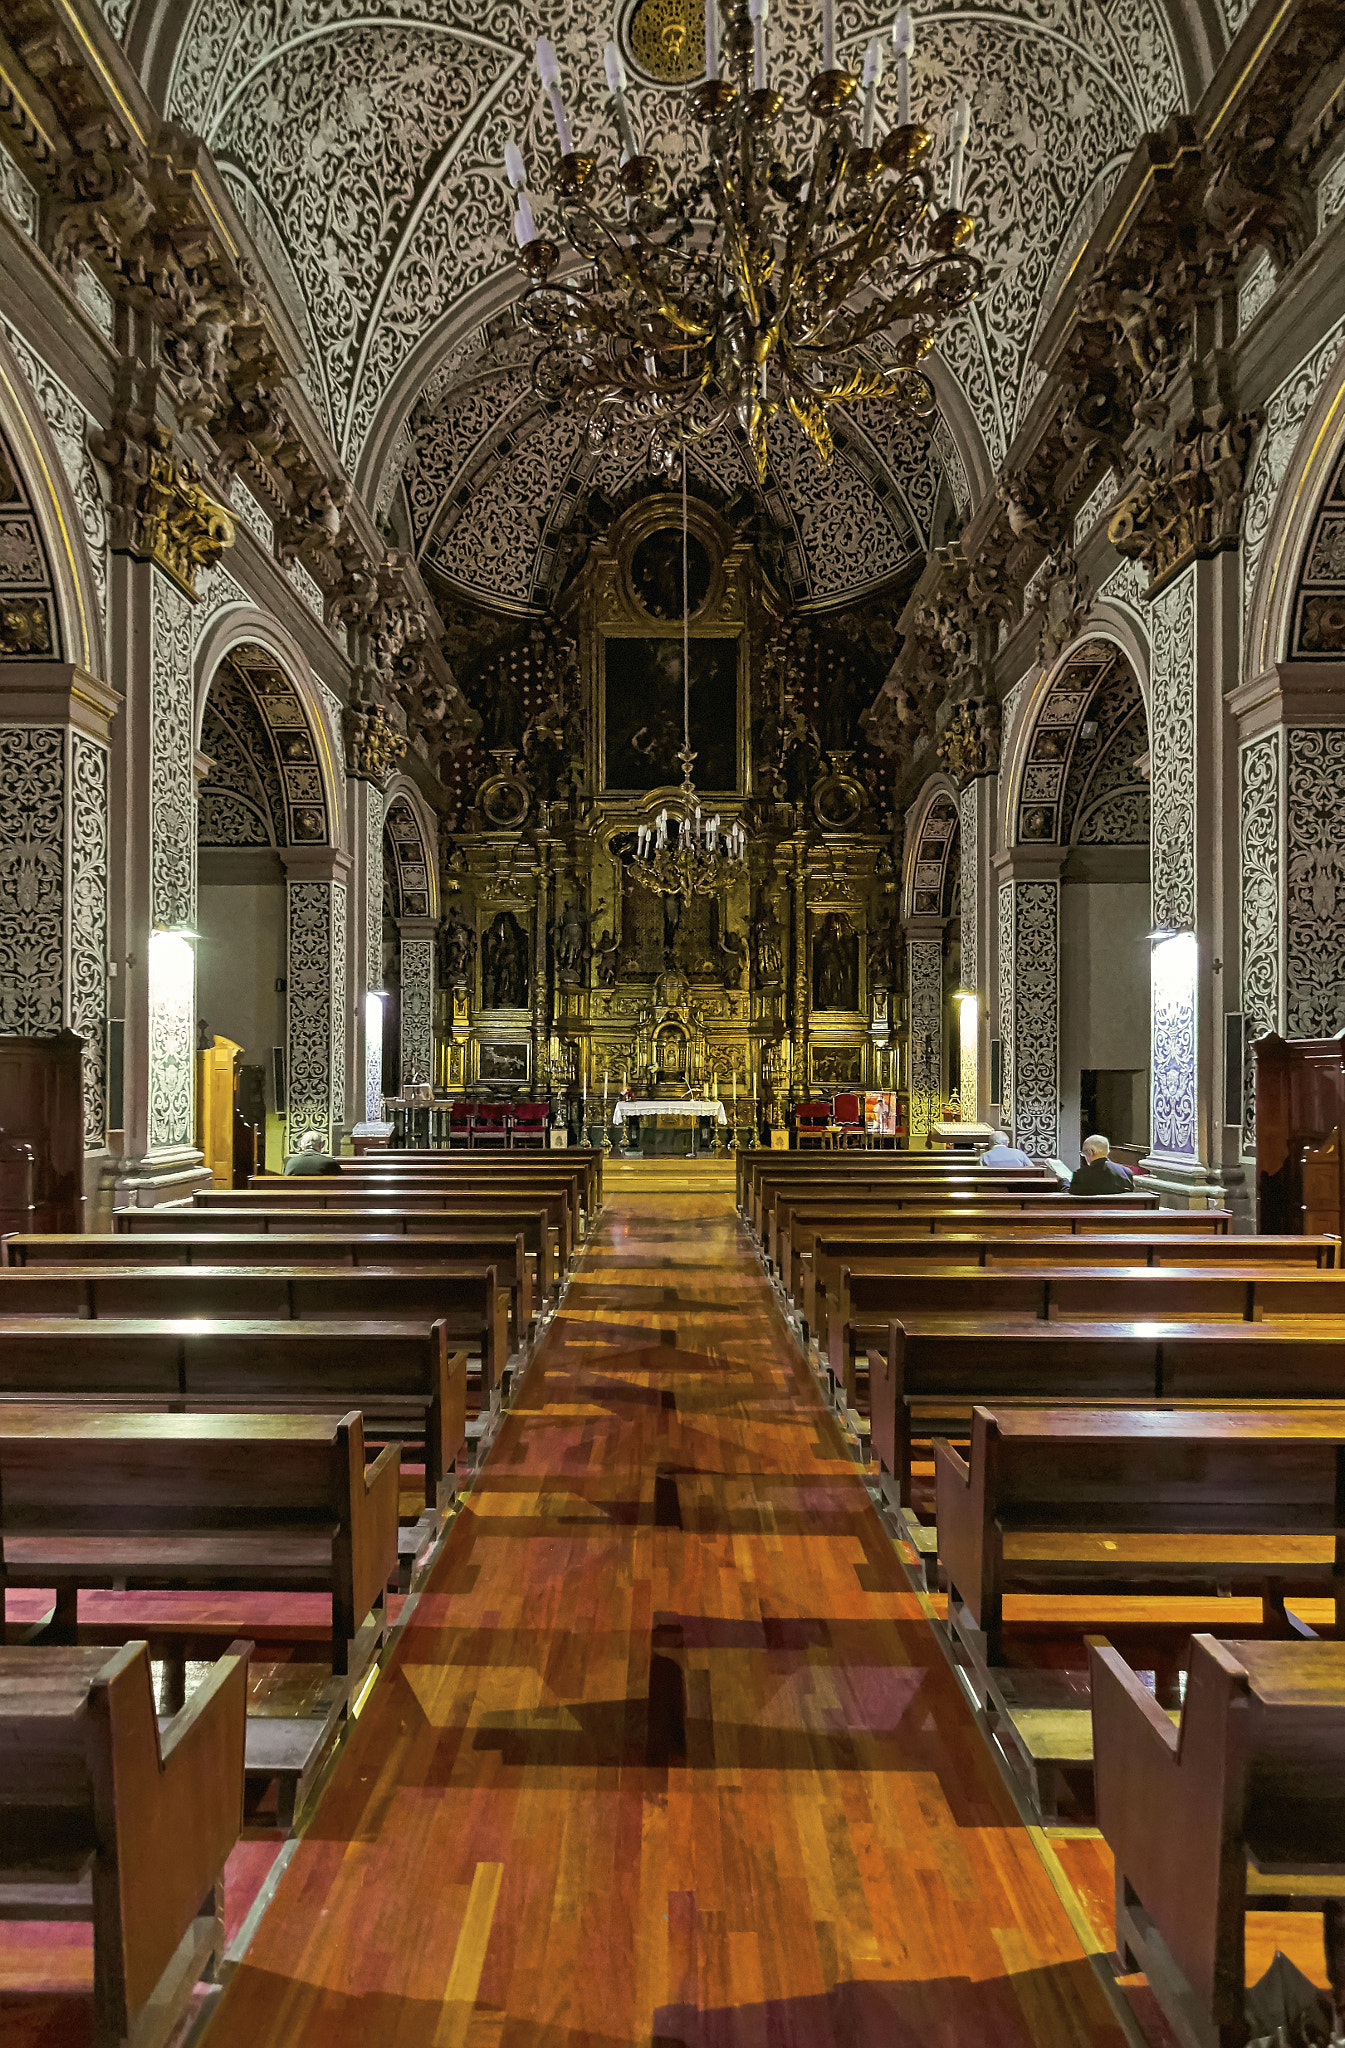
[{"x": 669, "y": 1753}]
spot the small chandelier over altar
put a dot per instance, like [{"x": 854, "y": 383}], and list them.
[
  {"x": 688, "y": 854},
  {"x": 747, "y": 284}
]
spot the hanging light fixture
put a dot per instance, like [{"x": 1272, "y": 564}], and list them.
[
  {"x": 686, "y": 852},
  {"x": 752, "y": 284}
]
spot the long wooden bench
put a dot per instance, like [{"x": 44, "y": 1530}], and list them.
[
  {"x": 401, "y": 1375},
  {"x": 867, "y": 1303},
  {"x": 753, "y": 1165},
  {"x": 771, "y": 1189},
  {"x": 314, "y": 1198},
  {"x": 1240, "y": 1807},
  {"x": 107, "y": 1818},
  {"x": 1049, "y": 1496},
  {"x": 465, "y": 1252},
  {"x": 391, "y": 1187},
  {"x": 935, "y": 1370},
  {"x": 1052, "y": 1215},
  {"x": 468, "y": 1308},
  {"x": 262, "y": 1502},
  {"x": 587, "y": 1160},
  {"x": 882, "y": 1254},
  {"x": 363, "y": 1225}
]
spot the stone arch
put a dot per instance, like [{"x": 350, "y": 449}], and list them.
[
  {"x": 247, "y": 643},
  {"x": 417, "y": 856},
  {"x": 931, "y": 841},
  {"x": 410, "y": 924},
  {"x": 1278, "y": 538},
  {"x": 58, "y": 577},
  {"x": 1047, "y": 736}
]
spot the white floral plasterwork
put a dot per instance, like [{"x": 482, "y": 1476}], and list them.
[
  {"x": 1174, "y": 738},
  {"x": 315, "y": 1009},
  {"x": 1314, "y": 964},
  {"x": 1286, "y": 411},
  {"x": 417, "y": 1046},
  {"x": 32, "y": 879},
  {"x": 924, "y": 972},
  {"x": 17, "y": 196},
  {"x": 172, "y": 759},
  {"x": 1034, "y": 1000},
  {"x": 87, "y": 1005},
  {"x": 1261, "y": 892}
]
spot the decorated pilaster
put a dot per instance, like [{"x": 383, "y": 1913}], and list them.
[
  {"x": 977, "y": 832},
  {"x": 316, "y": 1004},
  {"x": 373, "y": 746},
  {"x": 416, "y": 1051},
  {"x": 924, "y": 983},
  {"x": 1291, "y": 787},
  {"x": 1029, "y": 995}
]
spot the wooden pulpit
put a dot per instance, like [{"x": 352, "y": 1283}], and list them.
[{"x": 1300, "y": 1117}]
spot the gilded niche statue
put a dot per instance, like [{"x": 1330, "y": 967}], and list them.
[
  {"x": 835, "y": 965},
  {"x": 504, "y": 964},
  {"x": 457, "y": 950},
  {"x": 767, "y": 952}
]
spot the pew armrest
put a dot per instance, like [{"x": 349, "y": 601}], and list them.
[
  {"x": 967, "y": 1548},
  {"x": 374, "y": 1545}
]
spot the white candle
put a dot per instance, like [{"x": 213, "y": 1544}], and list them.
[
  {"x": 903, "y": 42},
  {"x": 525, "y": 227},
  {"x": 961, "y": 130},
  {"x": 711, "y": 41},
  {"x": 548, "y": 65},
  {"x": 757, "y": 10},
  {"x": 616, "y": 85},
  {"x": 828, "y": 35},
  {"x": 873, "y": 71},
  {"x": 514, "y": 165}
]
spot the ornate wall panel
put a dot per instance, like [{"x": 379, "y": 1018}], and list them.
[
  {"x": 1317, "y": 629},
  {"x": 17, "y": 196},
  {"x": 70, "y": 424},
  {"x": 172, "y": 1046},
  {"x": 1034, "y": 997},
  {"x": 1261, "y": 856},
  {"x": 969, "y": 893},
  {"x": 373, "y": 947},
  {"x": 1006, "y": 1001},
  {"x": 87, "y": 1007},
  {"x": 315, "y": 1017},
  {"x": 1314, "y": 964},
  {"x": 924, "y": 979},
  {"x": 1173, "y": 784},
  {"x": 1174, "y": 1048},
  {"x": 1286, "y": 411},
  {"x": 172, "y": 759},
  {"x": 32, "y": 879},
  {"x": 417, "y": 1045}
]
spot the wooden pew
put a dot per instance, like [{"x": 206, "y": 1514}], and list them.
[
  {"x": 280, "y": 1503},
  {"x": 1048, "y": 1496},
  {"x": 868, "y": 1303},
  {"x": 936, "y": 1370},
  {"x": 821, "y": 1271},
  {"x": 588, "y": 1160},
  {"x": 390, "y": 1187},
  {"x": 772, "y": 1188},
  {"x": 371, "y": 1226},
  {"x": 468, "y": 1307},
  {"x": 463, "y": 1251},
  {"x": 104, "y": 1817},
  {"x": 414, "y": 1211},
  {"x": 795, "y": 1217},
  {"x": 1048, "y": 1215},
  {"x": 1240, "y": 1807},
  {"x": 753, "y": 1165},
  {"x": 401, "y": 1375}
]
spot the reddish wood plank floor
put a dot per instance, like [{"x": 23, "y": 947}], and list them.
[{"x": 669, "y": 1754}]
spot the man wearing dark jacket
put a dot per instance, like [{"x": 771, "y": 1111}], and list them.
[{"x": 1097, "y": 1175}]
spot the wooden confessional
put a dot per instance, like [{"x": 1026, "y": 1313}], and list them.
[{"x": 1300, "y": 1119}]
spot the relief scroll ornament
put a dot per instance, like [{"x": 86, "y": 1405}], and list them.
[
  {"x": 968, "y": 746},
  {"x": 1188, "y": 503},
  {"x": 161, "y": 510},
  {"x": 374, "y": 744}
]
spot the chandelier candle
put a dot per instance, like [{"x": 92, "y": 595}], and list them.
[
  {"x": 711, "y": 42},
  {"x": 828, "y": 35},
  {"x": 548, "y": 66},
  {"x": 903, "y": 42},
  {"x": 757, "y": 14},
  {"x": 961, "y": 130},
  {"x": 873, "y": 73},
  {"x": 616, "y": 84}
]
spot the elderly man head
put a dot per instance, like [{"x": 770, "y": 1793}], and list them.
[
  {"x": 1096, "y": 1148},
  {"x": 1099, "y": 1173},
  {"x": 311, "y": 1141}
]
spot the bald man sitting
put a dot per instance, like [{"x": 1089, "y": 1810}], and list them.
[{"x": 1099, "y": 1175}]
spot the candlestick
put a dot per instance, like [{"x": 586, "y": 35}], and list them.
[
  {"x": 757, "y": 9},
  {"x": 548, "y": 66},
  {"x": 711, "y": 41},
  {"x": 873, "y": 71},
  {"x": 903, "y": 42},
  {"x": 961, "y": 130},
  {"x": 828, "y": 35}
]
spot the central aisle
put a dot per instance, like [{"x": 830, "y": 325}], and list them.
[{"x": 669, "y": 1754}]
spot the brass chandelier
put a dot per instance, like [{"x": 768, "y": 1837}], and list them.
[{"x": 748, "y": 284}]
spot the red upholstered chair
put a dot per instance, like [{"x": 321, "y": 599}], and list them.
[
  {"x": 529, "y": 1123},
  {"x": 810, "y": 1124},
  {"x": 847, "y": 1112},
  {"x": 460, "y": 1125},
  {"x": 490, "y": 1125}
]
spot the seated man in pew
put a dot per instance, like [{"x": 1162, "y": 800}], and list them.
[
  {"x": 1099, "y": 1174},
  {"x": 1002, "y": 1153},
  {"x": 311, "y": 1157},
  {"x": 1241, "y": 1806},
  {"x": 106, "y": 1817}
]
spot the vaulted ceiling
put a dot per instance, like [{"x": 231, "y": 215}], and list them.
[{"x": 363, "y": 146}]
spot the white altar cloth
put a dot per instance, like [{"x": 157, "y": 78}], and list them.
[{"x": 687, "y": 1110}]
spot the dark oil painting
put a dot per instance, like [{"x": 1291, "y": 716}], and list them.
[{"x": 644, "y": 713}]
